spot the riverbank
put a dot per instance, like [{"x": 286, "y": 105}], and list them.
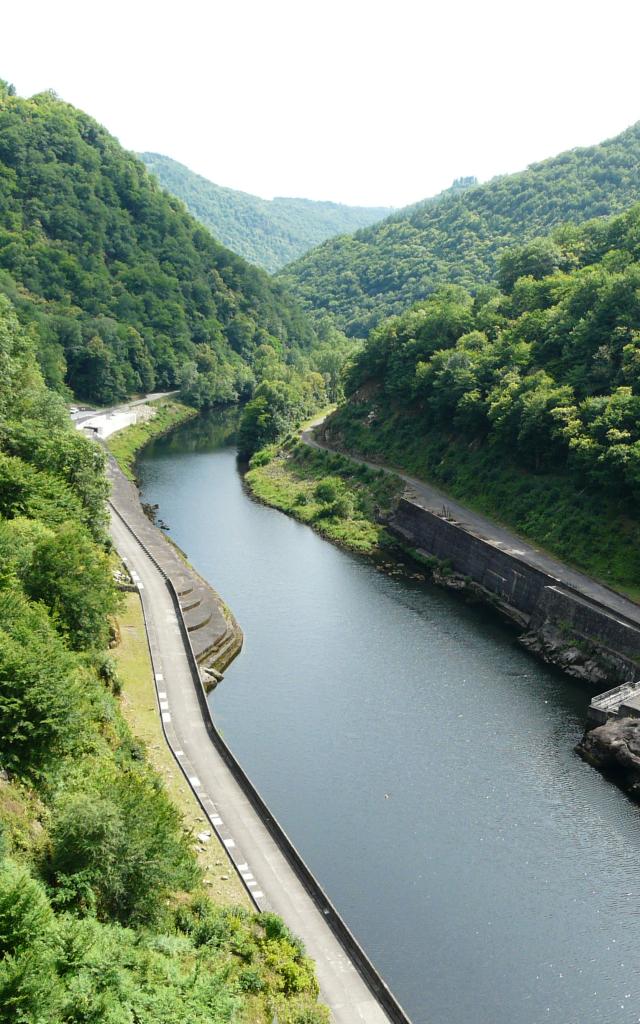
[
  {"x": 273, "y": 872},
  {"x": 580, "y": 529},
  {"x": 342, "y": 501},
  {"x": 215, "y": 634},
  {"x": 125, "y": 444},
  {"x": 585, "y": 629},
  {"x": 614, "y": 749}
]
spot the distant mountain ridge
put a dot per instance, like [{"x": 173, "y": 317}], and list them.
[
  {"x": 459, "y": 236},
  {"x": 126, "y": 290},
  {"x": 267, "y": 232}
]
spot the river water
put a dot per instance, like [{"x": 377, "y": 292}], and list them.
[{"x": 420, "y": 760}]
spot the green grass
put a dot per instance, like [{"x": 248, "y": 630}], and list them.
[
  {"x": 139, "y": 708},
  {"x": 339, "y": 499},
  {"x": 552, "y": 511},
  {"x": 125, "y": 444}
]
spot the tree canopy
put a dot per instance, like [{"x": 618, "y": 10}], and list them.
[
  {"x": 459, "y": 237},
  {"x": 541, "y": 378},
  {"x": 267, "y": 232},
  {"x": 103, "y": 911},
  {"x": 121, "y": 285}
]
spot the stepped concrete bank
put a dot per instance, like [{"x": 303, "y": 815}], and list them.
[
  {"x": 585, "y": 637},
  {"x": 214, "y": 634}
]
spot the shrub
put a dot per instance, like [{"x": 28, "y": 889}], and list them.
[
  {"x": 71, "y": 576},
  {"x": 327, "y": 489}
]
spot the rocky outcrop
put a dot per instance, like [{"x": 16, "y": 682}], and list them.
[
  {"x": 577, "y": 658},
  {"x": 614, "y": 748}
]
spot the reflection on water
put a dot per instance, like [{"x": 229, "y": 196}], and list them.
[{"x": 421, "y": 761}]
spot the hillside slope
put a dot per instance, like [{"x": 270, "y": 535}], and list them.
[
  {"x": 124, "y": 286},
  {"x": 523, "y": 402},
  {"x": 267, "y": 232},
  {"x": 381, "y": 270},
  {"x": 105, "y": 912}
]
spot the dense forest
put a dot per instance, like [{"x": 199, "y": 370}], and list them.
[
  {"x": 523, "y": 400},
  {"x": 125, "y": 290},
  {"x": 459, "y": 239},
  {"x": 103, "y": 912},
  {"x": 267, "y": 232}
]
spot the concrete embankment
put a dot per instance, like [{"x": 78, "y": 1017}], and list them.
[
  {"x": 570, "y": 629},
  {"x": 215, "y": 636},
  {"x": 583, "y": 636}
]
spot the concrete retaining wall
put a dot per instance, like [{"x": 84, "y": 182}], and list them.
[{"x": 533, "y": 598}]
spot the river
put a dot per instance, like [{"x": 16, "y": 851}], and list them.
[{"x": 421, "y": 761}]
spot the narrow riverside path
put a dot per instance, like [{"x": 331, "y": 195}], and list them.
[
  {"x": 342, "y": 987},
  {"x": 435, "y": 500}
]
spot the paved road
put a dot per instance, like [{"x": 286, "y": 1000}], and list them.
[
  {"x": 270, "y": 877},
  {"x": 89, "y": 414},
  {"x": 434, "y": 500}
]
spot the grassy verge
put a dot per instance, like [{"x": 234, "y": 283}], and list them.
[
  {"x": 318, "y": 416},
  {"x": 550, "y": 510},
  {"x": 139, "y": 709},
  {"x": 125, "y": 444},
  {"x": 339, "y": 499},
  {"x": 262, "y": 956}
]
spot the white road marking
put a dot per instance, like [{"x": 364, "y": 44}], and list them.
[
  {"x": 258, "y": 894},
  {"x": 179, "y": 753},
  {"x": 159, "y": 677},
  {"x": 229, "y": 843},
  {"x": 162, "y": 695},
  {"x": 217, "y": 821},
  {"x": 194, "y": 780},
  {"x": 243, "y": 867},
  {"x": 166, "y": 717},
  {"x": 164, "y": 705}
]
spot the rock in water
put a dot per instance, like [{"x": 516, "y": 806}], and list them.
[{"x": 614, "y": 748}]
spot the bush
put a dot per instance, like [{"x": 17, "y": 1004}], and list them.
[
  {"x": 41, "y": 697},
  {"x": 264, "y": 456},
  {"x": 71, "y": 576},
  {"x": 327, "y": 489},
  {"x": 117, "y": 848}
]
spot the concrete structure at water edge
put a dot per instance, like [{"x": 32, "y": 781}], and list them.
[
  {"x": 568, "y": 626},
  {"x": 571, "y": 621},
  {"x": 215, "y": 636},
  {"x": 620, "y": 702}
]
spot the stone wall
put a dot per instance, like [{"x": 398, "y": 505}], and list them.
[{"x": 567, "y": 628}]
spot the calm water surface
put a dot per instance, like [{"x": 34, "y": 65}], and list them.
[{"x": 420, "y": 760}]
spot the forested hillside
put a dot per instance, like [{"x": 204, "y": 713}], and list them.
[
  {"x": 267, "y": 232},
  {"x": 126, "y": 291},
  {"x": 383, "y": 269},
  {"x": 104, "y": 916},
  {"x": 524, "y": 401}
]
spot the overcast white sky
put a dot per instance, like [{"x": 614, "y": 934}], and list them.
[{"x": 359, "y": 101}]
